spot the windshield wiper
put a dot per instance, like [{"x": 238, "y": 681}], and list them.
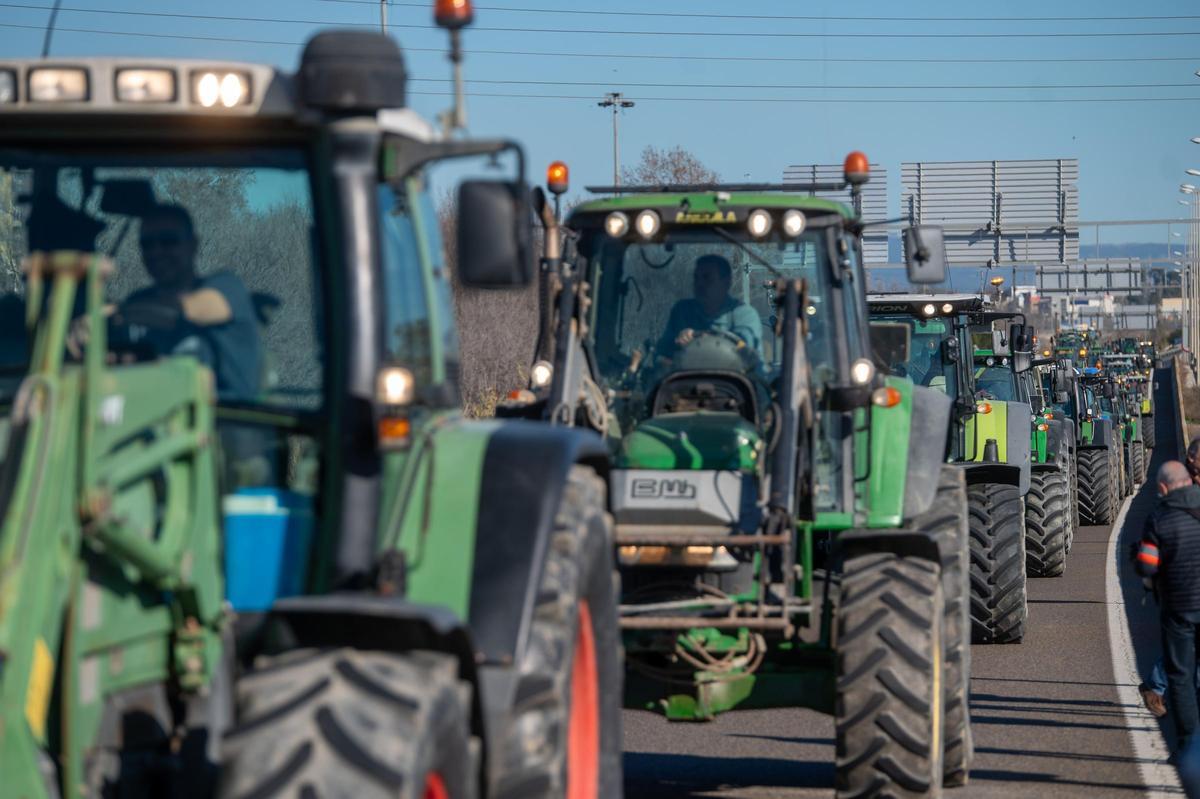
[{"x": 725, "y": 234}]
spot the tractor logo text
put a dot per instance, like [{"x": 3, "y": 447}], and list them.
[
  {"x": 704, "y": 217},
  {"x": 654, "y": 488}
]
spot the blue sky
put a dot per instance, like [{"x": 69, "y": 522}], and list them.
[{"x": 1132, "y": 154}]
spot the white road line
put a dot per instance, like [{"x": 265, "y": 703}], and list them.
[{"x": 1149, "y": 748}]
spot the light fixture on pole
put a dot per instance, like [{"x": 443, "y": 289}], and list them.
[
  {"x": 616, "y": 101},
  {"x": 1196, "y": 140}
]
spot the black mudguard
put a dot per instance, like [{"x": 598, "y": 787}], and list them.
[
  {"x": 1003, "y": 473},
  {"x": 926, "y": 448},
  {"x": 905, "y": 543},
  {"x": 525, "y": 470}
]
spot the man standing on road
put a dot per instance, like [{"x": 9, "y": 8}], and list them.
[{"x": 1170, "y": 553}]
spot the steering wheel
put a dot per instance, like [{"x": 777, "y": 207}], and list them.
[{"x": 728, "y": 335}]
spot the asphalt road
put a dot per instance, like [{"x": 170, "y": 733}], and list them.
[{"x": 1049, "y": 716}]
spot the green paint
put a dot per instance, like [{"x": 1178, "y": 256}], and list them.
[
  {"x": 701, "y": 440},
  {"x": 993, "y": 425},
  {"x": 891, "y": 430},
  {"x": 437, "y": 524}
]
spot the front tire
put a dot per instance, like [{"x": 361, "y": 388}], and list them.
[
  {"x": 999, "y": 606},
  {"x": 564, "y": 735},
  {"x": 347, "y": 722},
  {"x": 1096, "y": 500},
  {"x": 1047, "y": 523},
  {"x": 889, "y": 663}
]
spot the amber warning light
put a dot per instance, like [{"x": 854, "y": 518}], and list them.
[
  {"x": 453, "y": 14},
  {"x": 557, "y": 177},
  {"x": 857, "y": 168}
]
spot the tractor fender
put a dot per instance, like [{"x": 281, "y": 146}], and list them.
[
  {"x": 1018, "y": 451},
  {"x": 1057, "y": 440},
  {"x": 905, "y": 543},
  {"x": 371, "y": 621},
  {"x": 1003, "y": 473},
  {"x": 927, "y": 448},
  {"x": 525, "y": 470},
  {"x": 1102, "y": 434}
]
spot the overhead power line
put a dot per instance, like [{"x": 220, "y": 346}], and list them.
[
  {"x": 965, "y": 86},
  {"x": 645, "y": 56},
  {"x": 801, "y": 17},
  {"x": 584, "y": 31},
  {"x": 934, "y": 100}
]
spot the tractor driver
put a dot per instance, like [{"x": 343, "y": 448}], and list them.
[
  {"x": 209, "y": 317},
  {"x": 711, "y": 309}
]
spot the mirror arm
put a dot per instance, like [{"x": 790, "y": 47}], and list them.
[{"x": 414, "y": 155}]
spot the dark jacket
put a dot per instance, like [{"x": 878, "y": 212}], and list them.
[{"x": 1170, "y": 550}]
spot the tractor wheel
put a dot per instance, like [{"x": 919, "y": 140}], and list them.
[
  {"x": 889, "y": 661},
  {"x": 1072, "y": 467},
  {"x": 348, "y": 722},
  {"x": 1128, "y": 480},
  {"x": 1148, "y": 432},
  {"x": 1139, "y": 463},
  {"x": 564, "y": 731},
  {"x": 1096, "y": 505},
  {"x": 1047, "y": 523},
  {"x": 946, "y": 519},
  {"x": 998, "y": 589}
]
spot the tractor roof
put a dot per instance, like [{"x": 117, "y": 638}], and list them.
[
  {"x": 919, "y": 304},
  {"x": 709, "y": 202}
]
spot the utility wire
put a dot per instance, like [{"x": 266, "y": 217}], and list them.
[
  {"x": 578, "y": 31},
  {"x": 775, "y": 17},
  {"x": 648, "y": 56},
  {"x": 810, "y": 100}
]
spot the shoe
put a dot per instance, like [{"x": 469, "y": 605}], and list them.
[{"x": 1153, "y": 701}]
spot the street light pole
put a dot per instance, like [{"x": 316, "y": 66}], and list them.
[
  {"x": 383, "y": 15},
  {"x": 616, "y": 102}
]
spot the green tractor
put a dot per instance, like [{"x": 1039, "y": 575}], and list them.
[
  {"x": 248, "y": 543},
  {"x": 932, "y": 339},
  {"x": 1100, "y": 456},
  {"x": 1134, "y": 378},
  {"x": 773, "y": 550}
]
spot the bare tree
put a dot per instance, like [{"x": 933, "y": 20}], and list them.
[{"x": 667, "y": 166}]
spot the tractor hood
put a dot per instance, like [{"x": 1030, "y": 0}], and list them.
[{"x": 700, "y": 440}]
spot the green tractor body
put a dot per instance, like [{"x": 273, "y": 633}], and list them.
[
  {"x": 952, "y": 344},
  {"x": 235, "y": 544},
  {"x": 717, "y": 337}
]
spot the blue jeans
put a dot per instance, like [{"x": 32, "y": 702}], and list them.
[{"x": 1157, "y": 681}]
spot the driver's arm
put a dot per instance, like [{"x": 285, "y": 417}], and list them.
[
  {"x": 205, "y": 307},
  {"x": 746, "y": 324}
]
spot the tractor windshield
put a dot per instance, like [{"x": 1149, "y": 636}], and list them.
[
  {"x": 214, "y": 259},
  {"x": 698, "y": 302},
  {"x": 997, "y": 383},
  {"x": 917, "y": 349}
]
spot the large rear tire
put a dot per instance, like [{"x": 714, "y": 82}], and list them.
[
  {"x": 1148, "y": 437},
  {"x": 998, "y": 590},
  {"x": 348, "y": 722},
  {"x": 946, "y": 520},
  {"x": 1096, "y": 500},
  {"x": 889, "y": 665},
  {"x": 564, "y": 735},
  {"x": 1139, "y": 463},
  {"x": 1047, "y": 523}
]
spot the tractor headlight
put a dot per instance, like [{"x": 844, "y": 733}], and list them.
[
  {"x": 227, "y": 89},
  {"x": 541, "y": 374},
  {"x": 648, "y": 222},
  {"x": 616, "y": 224},
  {"x": 58, "y": 85},
  {"x": 395, "y": 386},
  {"x": 861, "y": 371},
  {"x": 8, "y": 86},
  {"x": 929, "y": 310},
  {"x": 794, "y": 223},
  {"x": 145, "y": 86},
  {"x": 758, "y": 223}
]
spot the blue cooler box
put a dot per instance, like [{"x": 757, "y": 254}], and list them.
[{"x": 267, "y": 532}]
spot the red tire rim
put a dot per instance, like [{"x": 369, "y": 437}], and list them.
[
  {"x": 583, "y": 729},
  {"x": 435, "y": 787}
]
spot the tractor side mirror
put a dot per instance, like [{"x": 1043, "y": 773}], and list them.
[
  {"x": 494, "y": 234},
  {"x": 1110, "y": 391},
  {"x": 1062, "y": 397},
  {"x": 1020, "y": 338},
  {"x": 1022, "y": 361},
  {"x": 1001, "y": 343},
  {"x": 925, "y": 254}
]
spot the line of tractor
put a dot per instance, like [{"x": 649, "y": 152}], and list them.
[{"x": 734, "y": 481}]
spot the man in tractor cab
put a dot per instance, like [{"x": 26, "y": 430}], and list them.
[
  {"x": 209, "y": 317},
  {"x": 711, "y": 309}
]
